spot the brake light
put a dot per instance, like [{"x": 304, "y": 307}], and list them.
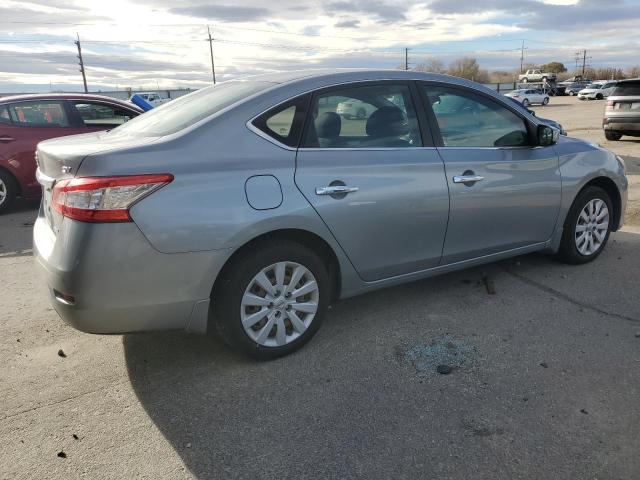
[
  {"x": 610, "y": 104},
  {"x": 104, "y": 199}
]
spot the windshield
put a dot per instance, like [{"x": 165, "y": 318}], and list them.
[{"x": 189, "y": 109}]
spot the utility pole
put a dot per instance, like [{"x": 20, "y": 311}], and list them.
[
  {"x": 584, "y": 60},
  {"x": 84, "y": 77},
  {"x": 213, "y": 67},
  {"x": 406, "y": 59},
  {"x": 522, "y": 49}
]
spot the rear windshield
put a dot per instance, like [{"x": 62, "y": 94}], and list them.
[
  {"x": 627, "y": 89},
  {"x": 189, "y": 109}
]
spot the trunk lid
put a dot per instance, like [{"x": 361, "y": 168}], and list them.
[{"x": 60, "y": 158}]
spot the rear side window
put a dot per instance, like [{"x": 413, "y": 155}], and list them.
[
  {"x": 102, "y": 115},
  {"x": 39, "y": 114},
  {"x": 627, "y": 89},
  {"x": 182, "y": 112},
  {"x": 467, "y": 119},
  {"x": 4, "y": 115},
  {"x": 284, "y": 122},
  {"x": 366, "y": 116}
]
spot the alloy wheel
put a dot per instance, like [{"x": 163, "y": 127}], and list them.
[
  {"x": 3, "y": 191},
  {"x": 592, "y": 226},
  {"x": 279, "y": 304}
]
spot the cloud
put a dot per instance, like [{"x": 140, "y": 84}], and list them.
[
  {"x": 348, "y": 24},
  {"x": 228, "y": 13},
  {"x": 380, "y": 10},
  {"x": 538, "y": 15}
]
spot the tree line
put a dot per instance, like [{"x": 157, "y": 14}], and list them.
[{"x": 469, "y": 68}]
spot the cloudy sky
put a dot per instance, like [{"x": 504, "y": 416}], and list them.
[{"x": 162, "y": 43}]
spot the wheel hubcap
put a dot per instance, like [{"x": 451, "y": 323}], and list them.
[
  {"x": 592, "y": 227},
  {"x": 3, "y": 191},
  {"x": 279, "y": 304}
]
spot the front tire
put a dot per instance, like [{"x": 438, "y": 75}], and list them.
[
  {"x": 612, "y": 136},
  {"x": 525, "y": 102},
  {"x": 272, "y": 301},
  {"x": 525, "y": 80},
  {"x": 587, "y": 227},
  {"x": 599, "y": 96},
  {"x": 8, "y": 191},
  {"x": 545, "y": 101}
]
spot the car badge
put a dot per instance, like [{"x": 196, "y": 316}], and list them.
[{"x": 66, "y": 169}]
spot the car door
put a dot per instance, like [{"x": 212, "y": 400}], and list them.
[
  {"x": 96, "y": 115},
  {"x": 505, "y": 191},
  {"x": 377, "y": 182},
  {"x": 27, "y": 123}
]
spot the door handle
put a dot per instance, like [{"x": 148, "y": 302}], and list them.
[
  {"x": 6, "y": 138},
  {"x": 335, "y": 190},
  {"x": 467, "y": 179}
]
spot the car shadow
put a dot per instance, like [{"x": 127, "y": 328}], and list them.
[{"x": 312, "y": 413}]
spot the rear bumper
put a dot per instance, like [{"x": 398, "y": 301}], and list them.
[
  {"x": 118, "y": 283},
  {"x": 622, "y": 124}
]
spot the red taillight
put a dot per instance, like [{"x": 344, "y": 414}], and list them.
[{"x": 103, "y": 199}]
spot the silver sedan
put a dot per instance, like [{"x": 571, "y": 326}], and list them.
[{"x": 249, "y": 206}]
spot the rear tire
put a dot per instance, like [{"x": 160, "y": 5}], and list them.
[
  {"x": 585, "y": 234},
  {"x": 612, "y": 136},
  {"x": 284, "y": 323},
  {"x": 8, "y": 191},
  {"x": 545, "y": 101},
  {"x": 599, "y": 96}
]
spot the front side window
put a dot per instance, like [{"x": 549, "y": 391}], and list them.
[
  {"x": 44, "y": 113},
  {"x": 467, "y": 119},
  {"x": 376, "y": 116},
  {"x": 102, "y": 114}
]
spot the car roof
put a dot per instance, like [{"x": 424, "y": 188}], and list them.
[
  {"x": 338, "y": 75},
  {"x": 629, "y": 80},
  {"x": 67, "y": 96}
]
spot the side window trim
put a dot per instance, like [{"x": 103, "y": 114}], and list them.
[
  {"x": 433, "y": 122},
  {"x": 427, "y": 140}
]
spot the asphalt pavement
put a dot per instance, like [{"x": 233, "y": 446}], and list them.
[{"x": 543, "y": 381}]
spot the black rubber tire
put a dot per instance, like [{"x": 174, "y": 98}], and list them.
[
  {"x": 545, "y": 101},
  {"x": 228, "y": 296},
  {"x": 599, "y": 96},
  {"x": 568, "y": 252},
  {"x": 12, "y": 191},
  {"x": 612, "y": 136},
  {"x": 526, "y": 103},
  {"x": 571, "y": 94},
  {"x": 525, "y": 80}
]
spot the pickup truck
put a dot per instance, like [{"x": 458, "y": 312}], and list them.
[{"x": 536, "y": 75}]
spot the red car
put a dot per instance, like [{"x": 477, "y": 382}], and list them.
[{"x": 26, "y": 120}]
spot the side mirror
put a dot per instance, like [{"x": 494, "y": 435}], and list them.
[{"x": 547, "y": 135}]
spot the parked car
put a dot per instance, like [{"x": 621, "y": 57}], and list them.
[
  {"x": 528, "y": 96},
  {"x": 574, "y": 88},
  {"x": 27, "y": 119},
  {"x": 536, "y": 75},
  {"x": 152, "y": 98},
  {"x": 250, "y": 206},
  {"x": 355, "y": 108},
  {"x": 622, "y": 113},
  {"x": 547, "y": 121},
  {"x": 597, "y": 91}
]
